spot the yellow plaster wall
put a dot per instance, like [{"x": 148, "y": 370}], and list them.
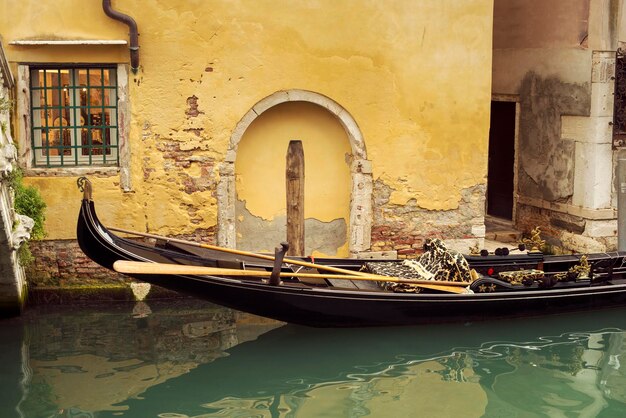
[
  {"x": 260, "y": 166},
  {"x": 414, "y": 75}
]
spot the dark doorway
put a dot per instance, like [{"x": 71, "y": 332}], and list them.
[{"x": 501, "y": 160}]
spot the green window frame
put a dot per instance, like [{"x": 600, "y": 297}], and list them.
[{"x": 74, "y": 115}]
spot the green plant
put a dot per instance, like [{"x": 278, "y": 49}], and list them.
[
  {"x": 25, "y": 255},
  {"x": 5, "y": 106},
  {"x": 28, "y": 201}
]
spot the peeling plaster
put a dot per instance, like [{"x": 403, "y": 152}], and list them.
[
  {"x": 371, "y": 73},
  {"x": 414, "y": 220},
  {"x": 257, "y": 234}
]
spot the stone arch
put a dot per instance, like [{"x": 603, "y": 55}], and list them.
[{"x": 360, "y": 170}]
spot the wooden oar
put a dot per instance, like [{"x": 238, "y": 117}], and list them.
[
  {"x": 239, "y": 252},
  {"x": 250, "y": 254},
  {"x": 140, "y": 267},
  {"x": 217, "y": 248}
]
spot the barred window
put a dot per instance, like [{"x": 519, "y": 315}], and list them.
[
  {"x": 619, "y": 106},
  {"x": 74, "y": 116}
]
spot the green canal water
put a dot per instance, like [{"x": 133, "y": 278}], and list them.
[{"x": 189, "y": 358}]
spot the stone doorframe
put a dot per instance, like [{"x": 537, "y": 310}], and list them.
[{"x": 360, "y": 170}]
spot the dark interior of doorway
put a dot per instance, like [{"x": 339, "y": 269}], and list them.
[{"x": 501, "y": 160}]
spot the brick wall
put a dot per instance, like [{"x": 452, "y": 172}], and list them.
[
  {"x": 566, "y": 233},
  {"x": 61, "y": 263},
  {"x": 404, "y": 228}
]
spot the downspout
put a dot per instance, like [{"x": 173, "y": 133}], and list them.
[{"x": 134, "y": 34}]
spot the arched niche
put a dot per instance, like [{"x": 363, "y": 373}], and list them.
[{"x": 360, "y": 170}]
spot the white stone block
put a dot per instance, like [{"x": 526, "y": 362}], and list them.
[
  {"x": 479, "y": 231},
  {"x": 361, "y": 166},
  {"x": 581, "y": 243},
  {"x": 319, "y": 99},
  {"x": 602, "y": 66},
  {"x": 593, "y": 173},
  {"x": 231, "y": 156},
  {"x": 596, "y": 129},
  {"x": 241, "y": 128},
  {"x": 601, "y": 228},
  {"x": 463, "y": 245},
  {"x": 354, "y": 133},
  {"x": 602, "y": 99}
]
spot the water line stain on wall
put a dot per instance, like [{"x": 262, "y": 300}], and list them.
[{"x": 321, "y": 238}]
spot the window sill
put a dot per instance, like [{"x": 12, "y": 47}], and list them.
[
  {"x": 72, "y": 171},
  {"x": 66, "y": 42}
]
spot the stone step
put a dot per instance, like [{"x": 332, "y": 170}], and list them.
[{"x": 505, "y": 235}]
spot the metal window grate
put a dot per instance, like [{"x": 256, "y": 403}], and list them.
[
  {"x": 74, "y": 116},
  {"x": 619, "y": 106}
]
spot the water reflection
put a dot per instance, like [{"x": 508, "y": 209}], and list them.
[
  {"x": 194, "y": 359},
  {"x": 75, "y": 361}
]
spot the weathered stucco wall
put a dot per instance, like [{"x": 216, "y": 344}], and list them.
[
  {"x": 415, "y": 76},
  {"x": 12, "y": 234},
  {"x": 540, "y": 54},
  {"x": 555, "y": 58}
]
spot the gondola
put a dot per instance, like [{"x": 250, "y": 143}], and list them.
[{"x": 554, "y": 283}]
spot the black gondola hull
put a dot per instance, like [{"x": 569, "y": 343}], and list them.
[{"x": 338, "y": 307}]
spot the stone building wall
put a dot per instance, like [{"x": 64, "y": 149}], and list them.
[
  {"x": 12, "y": 234},
  {"x": 557, "y": 61}
]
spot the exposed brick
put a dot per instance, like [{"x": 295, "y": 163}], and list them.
[
  {"x": 402, "y": 246},
  {"x": 404, "y": 228},
  {"x": 62, "y": 263},
  {"x": 192, "y": 104}
]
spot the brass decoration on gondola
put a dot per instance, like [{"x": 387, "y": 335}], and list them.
[
  {"x": 521, "y": 276},
  {"x": 535, "y": 243},
  {"x": 486, "y": 288},
  {"x": 580, "y": 271},
  {"x": 84, "y": 185}
]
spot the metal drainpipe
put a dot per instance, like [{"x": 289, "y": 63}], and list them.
[{"x": 134, "y": 34}]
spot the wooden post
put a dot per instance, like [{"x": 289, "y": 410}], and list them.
[{"x": 295, "y": 198}]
